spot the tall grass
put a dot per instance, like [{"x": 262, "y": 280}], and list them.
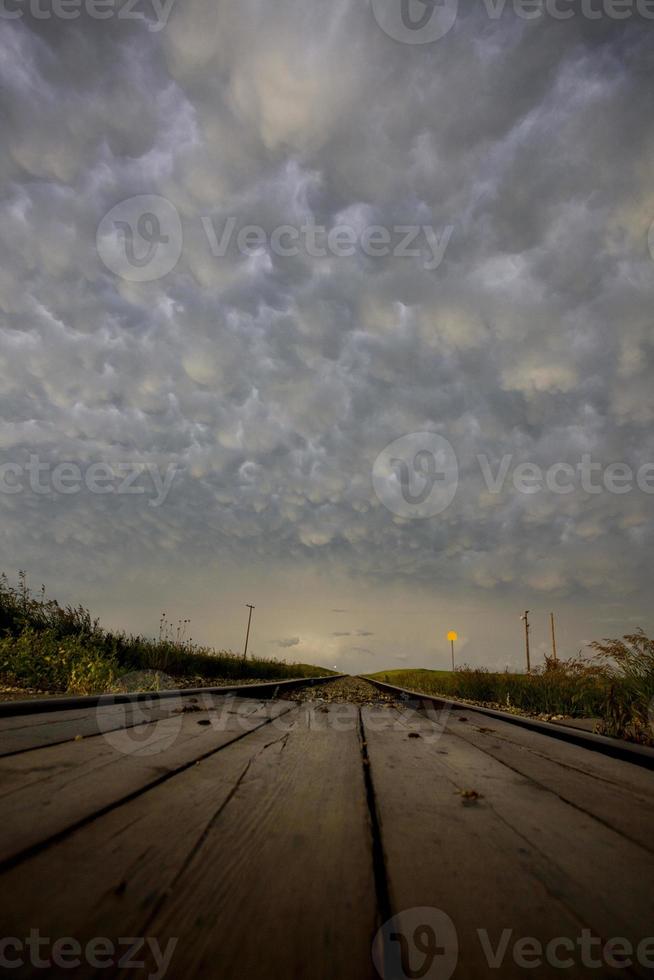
[
  {"x": 629, "y": 666},
  {"x": 551, "y": 692},
  {"x": 616, "y": 686},
  {"x": 48, "y": 647}
]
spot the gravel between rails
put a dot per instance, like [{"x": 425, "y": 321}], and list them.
[{"x": 345, "y": 689}]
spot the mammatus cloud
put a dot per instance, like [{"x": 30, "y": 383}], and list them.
[{"x": 271, "y": 383}]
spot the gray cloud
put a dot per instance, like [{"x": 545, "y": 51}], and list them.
[{"x": 273, "y": 383}]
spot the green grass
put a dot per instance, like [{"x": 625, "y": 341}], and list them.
[
  {"x": 547, "y": 693},
  {"x": 615, "y": 686},
  {"x": 50, "y": 648}
]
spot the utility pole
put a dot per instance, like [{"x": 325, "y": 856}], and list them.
[
  {"x": 553, "y": 637},
  {"x": 247, "y": 635},
  {"x": 526, "y": 619}
]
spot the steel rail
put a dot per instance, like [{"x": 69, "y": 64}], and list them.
[
  {"x": 42, "y": 705},
  {"x": 640, "y": 755}
]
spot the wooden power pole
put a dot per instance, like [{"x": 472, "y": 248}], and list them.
[
  {"x": 526, "y": 619},
  {"x": 553, "y": 637},
  {"x": 247, "y": 635}
]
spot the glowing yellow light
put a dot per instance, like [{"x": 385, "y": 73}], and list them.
[{"x": 452, "y": 635}]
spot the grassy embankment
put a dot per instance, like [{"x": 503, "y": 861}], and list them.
[
  {"x": 616, "y": 686},
  {"x": 49, "y": 648}
]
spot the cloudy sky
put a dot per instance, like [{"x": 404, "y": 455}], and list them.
[{"x": 257, "y": 384}]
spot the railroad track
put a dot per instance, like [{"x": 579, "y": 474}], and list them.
[
  {"x": 48, "y": 705},
  {"x": 639, "y": 755},
  {"x": 32, "y": 706},
  {"x": 239, "y": 835},
  {"x": 38, "y": 723}
]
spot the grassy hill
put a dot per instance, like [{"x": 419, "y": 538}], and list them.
[{"x": 45, "y": 647}]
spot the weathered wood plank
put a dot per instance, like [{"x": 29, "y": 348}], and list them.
[
  {"x": 24, "y": 733},
  {"x": 283, "y": 884},
  {"x": 520, "y": 858},
  {"x": 616, "y": 793},
  {"x": 45, "y": 792},
  {"x": 603, "y": 767},
  {"x": 258, "y": 860},
  {"x": 117, "y": 868}
]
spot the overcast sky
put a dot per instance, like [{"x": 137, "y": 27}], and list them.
[{"x": 266, "y": 385}]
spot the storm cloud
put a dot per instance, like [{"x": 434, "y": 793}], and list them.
[{"x": 270, "y": 383}]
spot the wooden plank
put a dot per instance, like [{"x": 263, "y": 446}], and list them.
[
  {"x": 141, "y": 738},
  {"x": 117, "y": 868},
  {"x": 258, "y": 861},
  {"x": 572, "y": 733},
  {"x": 45, "y": 792},
  {"x": 619, "y": 794},
  {"x": 519, "y": 858},
  {"x": 583, "y": 851},
  {"x": 603, "y": 767},
  {"x": 24, "y": 733},
  {"x": 283, "y": 884}
]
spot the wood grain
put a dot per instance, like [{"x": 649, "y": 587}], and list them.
[
  {"x": 518, "y": 858},
  {"x": 45, "y": 792}
]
